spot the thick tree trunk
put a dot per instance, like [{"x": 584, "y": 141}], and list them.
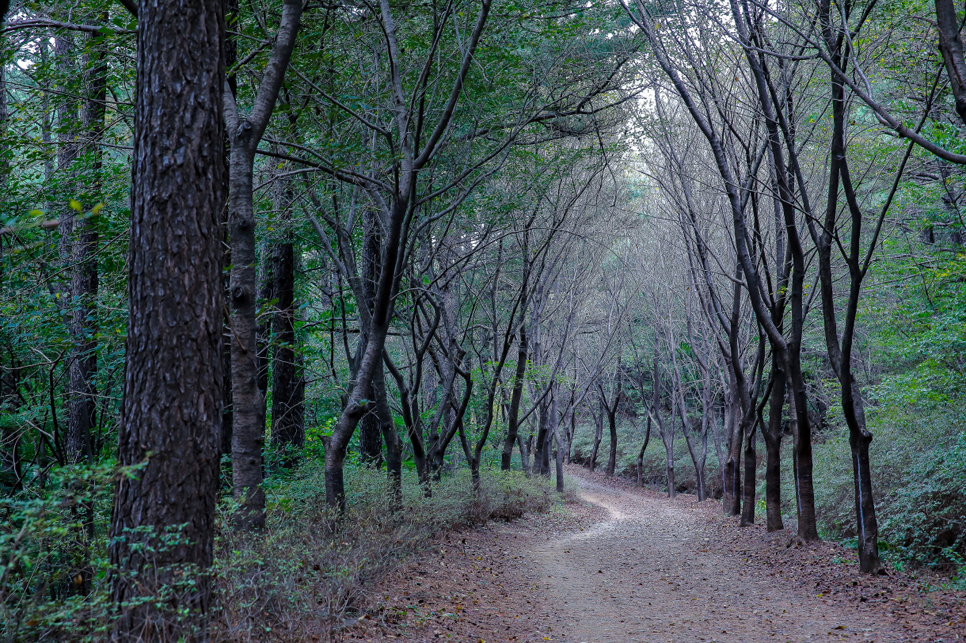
[
  {"x": 171, "y": 411},
  {"x": 803, "y": 467},
  {"x": 559, "y": 454},
  {"x": 868, "y": 532}
]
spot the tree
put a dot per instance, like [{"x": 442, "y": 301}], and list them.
[
  {"x": 163, "y": 521},
  {"x": 245, "y": 132}
]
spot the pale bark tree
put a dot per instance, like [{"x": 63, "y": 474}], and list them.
[{"x": 245, "y": 131}]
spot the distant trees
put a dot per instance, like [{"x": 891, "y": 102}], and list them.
[{"x": 432, "y": 236}]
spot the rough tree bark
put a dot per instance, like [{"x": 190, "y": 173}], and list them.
[
  {"x": 751, "y": 467},
  {"x": 170, "y": 424}
]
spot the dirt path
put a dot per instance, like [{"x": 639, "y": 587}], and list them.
[
  {"x": 648, "y": 573},
  {"x": 630, "y": 566}
]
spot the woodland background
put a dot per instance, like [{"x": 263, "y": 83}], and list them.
[{"x": 466, "y": 237}]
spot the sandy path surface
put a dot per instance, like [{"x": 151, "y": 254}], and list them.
[
  {"x": 647, "y": 573},
  {"x": 628, "y": 565}
]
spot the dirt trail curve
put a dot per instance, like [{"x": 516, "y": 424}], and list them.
[
  {"x": 635, "y": 567},
  {"x": 648, "y": 574}
]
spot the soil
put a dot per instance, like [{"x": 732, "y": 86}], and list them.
[{"x": 628, "y": 565}]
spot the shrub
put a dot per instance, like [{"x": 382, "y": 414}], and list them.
[
  {"x": 302, "y": 576},
  {"x": 926, "y": 519},
  {"x": 919, "y": 476},
  {"x": 53, "y": 573}
]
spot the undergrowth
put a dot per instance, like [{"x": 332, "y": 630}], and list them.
[{"x": 299, "y": 578}]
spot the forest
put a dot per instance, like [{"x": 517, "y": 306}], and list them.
[{"x": 289, "y": 287}]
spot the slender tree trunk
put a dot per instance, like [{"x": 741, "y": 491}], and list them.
[
  {"x": 667, "y": 436},
  {"x": 227, "y": 416},
  {"x": 4, "y": 124},
  {"x": 751, "y": 466},
  {"x": 718, "y": 448},
  {"x": 231, "y": 57},
  {"x": 524, "y": 455},
  {"x": 248, "y": 422},
  {"x": 513, "y": 412},
  {"x": 370, "y": 426},
  {"x": 388, "y": 434},
  {"x": 288, "y": 427},
  {"x": 83, "y": 256},
  {"x": 840, "y": 351},
  {"x": 732, "y": 498},
  {"x": 640, "y": 455},
  {"x": 598, "y": 437},
  {"x": 78, "y": 411},
  {"x": 171, "y": 410},
  {"x": 559, "y": 458},
  {"x": 612, "y": 427},
  {"x": 773, "y": 446},
  {"x": 568, "y": 452},
  {"x": 542, "y": 452},
  {"x": 248, "y": 403}
]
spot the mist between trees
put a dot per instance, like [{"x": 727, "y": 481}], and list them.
[{"x": 252, "y": 255}]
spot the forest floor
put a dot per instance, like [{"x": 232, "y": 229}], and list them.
[{"x": 628, "y": 565}]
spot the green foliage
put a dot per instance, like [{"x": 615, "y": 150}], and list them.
[
  {"x": 300, "y": 576},
  {"x": 311, "y": 568},
  {"x": 53, "y": 575},
  {"x": 926, "y": 519}
]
